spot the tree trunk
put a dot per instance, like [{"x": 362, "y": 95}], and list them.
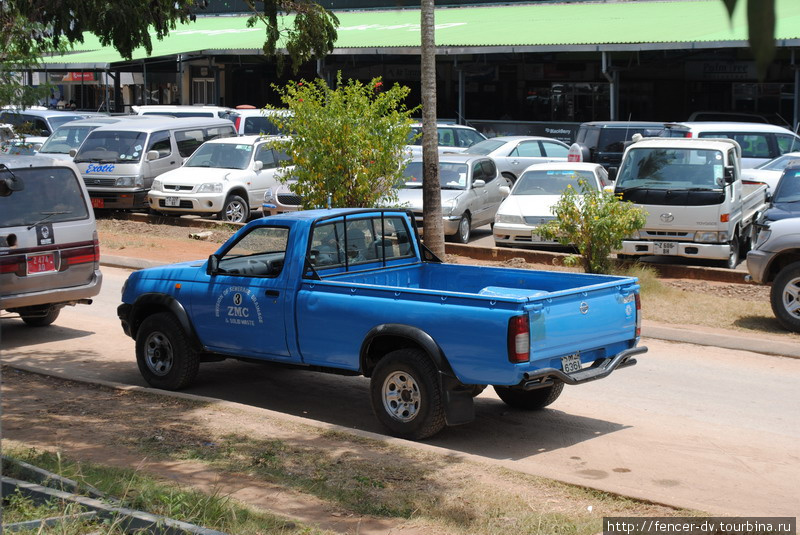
[{"x": 433, "y": 230}]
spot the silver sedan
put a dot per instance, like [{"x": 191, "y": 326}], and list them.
[{"x": 513, "y": 154}]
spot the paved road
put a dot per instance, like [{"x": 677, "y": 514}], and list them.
[{"x": 695, "y": 426}]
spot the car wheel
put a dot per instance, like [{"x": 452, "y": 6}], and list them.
[
  {"x": 41, "y": 317},
  {"x": 235, "y": 210},
  {"x": 785, "y": 297},
  {"x": 529, "y": 400},
  {"x": 464, "y": 231},
  {"x": 406, "y": 396},
  {"x": 164, "y": 353},
  {"x": 733, "y": 256},
  {"x": 510, "y": 179}
]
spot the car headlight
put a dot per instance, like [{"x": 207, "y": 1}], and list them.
[
  {"x": 707, "y": 237},
  {"x": 762, "y": 237},
  {"x": 269, "y": 195},
  {"x": 210, "y": 187},
  {"x": 157, "y": 185},
  {"x": 509, "y": 218},
  {"x": 448, "y": 207},
  {"x": 130, "y": 182}
]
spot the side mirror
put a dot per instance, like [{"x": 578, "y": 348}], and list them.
[
  {"x": 152, "y": 155},
  {"x": 73, "y": 152},
  {"x": 258, "y": 165},
  {"x": 609, "y": 188},
  {"x": 37, "y": 146},
  {"x": 730, "y": 174},
  {"x": 44, "y": 133},
  {"x": 612, "y": 173},
  {"x": 478, "y": 183},
  {"x": 505, "y": 191},
  {"x": 213, "y": 265}
]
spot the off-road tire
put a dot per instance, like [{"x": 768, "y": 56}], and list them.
[
  {"x": 406, "y": 396},
  {"x": 164, "y": 353},
  {"x": 39, "y": 319},
  {"x": 529, "y": 400},
  {"x": 785, "y": 297},
  {"x": 235, "y": 210}
]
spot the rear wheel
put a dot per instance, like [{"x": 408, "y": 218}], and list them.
[
  {"x": 41, "y": 317},
  {"x": 529, "y": 400},
  {"x": 235, "y": 210},
  {"x": 164, "y": 353},
  {"x": 406, "y": 396},
  {"x": 785, "y": 297}
]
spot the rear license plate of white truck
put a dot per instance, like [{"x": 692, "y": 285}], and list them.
[
  {"x": 665, "y": 247},
  {"x": 571, "y": 363}
]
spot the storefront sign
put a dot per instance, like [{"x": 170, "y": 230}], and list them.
[{"x": 720, "y": 70}]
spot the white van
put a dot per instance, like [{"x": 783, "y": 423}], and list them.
[
  {"x": 70, "y": 135},
  {"x": 760, "y": 142},
  {"x": 219, "y": 112},
  {"x": 49, "y": 253},
  {"x": 119, "y": 161}
]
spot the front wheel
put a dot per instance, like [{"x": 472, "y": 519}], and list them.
[
  {"x": 463, "y": 233},
  {"x": 235, "y": 210},
  {"x": 41, "y": 317},
  {"x": 406, "y": 396},
  {"x": 733, "y": 255},
  {"x": 164, "y": 353},
  {"x": 529, "y": 400},
  {"x": 785, "y": 297}
]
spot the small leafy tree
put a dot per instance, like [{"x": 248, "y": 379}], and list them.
[
  {"x": 595, "y": 222},
  {"x": 347, "y": 143}
]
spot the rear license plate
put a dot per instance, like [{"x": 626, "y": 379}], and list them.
[
  {"x": 665, "y": 247},
  {"x": 98, "y": 203},
  {"x": 41, "y": 263},
  {"x": 172, "y": 201},
  {"x": 571, "y": 363}
]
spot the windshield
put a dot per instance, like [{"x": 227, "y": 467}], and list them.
[
  {"x": 65, "y": 138},
  {"x": 657, "y": 168},
  {"x": 56, "y": 121},
  {"x": 780, "y": 163},
  {"x": 788, "y": 189},
  {"x": 50, "y": 194},
  {"x": 552, "y": 182},
  {"x": 484, "y": 148},
  {"x": 112, "y": 146},
  {"x": 222, "y": 155},
  {"x": 451, "y": 175}
]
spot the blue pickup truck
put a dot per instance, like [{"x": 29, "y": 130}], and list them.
[{"x": 355, "y": 291}]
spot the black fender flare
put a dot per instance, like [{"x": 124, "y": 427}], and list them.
[
  {"x": 138, "y": 311},
  {"x": 458, "y": 401}
]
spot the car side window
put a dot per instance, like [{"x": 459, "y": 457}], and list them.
[
  {"x": 467, "y": 138},
  {"x": 188, "y": 141},
  {"x": 489, "y": 170},
  {"x": 160, "y": 142},
  {"x": 359, "y": 241},
  {"x": 266, "y": 156},
  {"x": 446, "y": 137},
  {"x": 787, "y": 143},
  {"x": 477, "y": 173},
  {"x": 554, "y": 150},
  {"x": 528, "y": 149},
  {"x": 217, "y": 132},
  {"x": 259, "y": 253}
]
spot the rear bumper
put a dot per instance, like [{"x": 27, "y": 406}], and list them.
[
  {"x": 600, "y": 369},
  {"x": 55, "y": 296},
  {"x": 716, "y": 251}
]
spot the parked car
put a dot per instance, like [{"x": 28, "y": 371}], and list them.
[
  {"x": 470, "y": 192},
  {"x": 770, "y": 172},
  {"x": 70, "y": 135},
  {"x": 49, "y": 253},
  {"x": 513, "y": 154},
  {"x": 452, "y": 138},
  {"x": 785, "y": 202},
  {"x": 530, "y": 202},
  {"x": 219, "y": 112},
  {"x": 760, "y": 142},
  {"x": 225, "y": 177},
  {"x": 39, "y": 123},
  {"x": 603, "y": 142},
  {"x": 775, "y": 260},
  {"x": 250, "y": 122}
]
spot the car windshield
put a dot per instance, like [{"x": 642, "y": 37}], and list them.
[
  {"x": 667, "y": 168},
  {"x": 221, "y": 155},
  {"x": 486, "y": 147},
  {"x": 56, "y": 121},
  {"x": 50, "y": 194},
  {"x": 65, "y": 138},
  {"x": 780, "y": 163},
  {"x": 112, "y": 146},
  {"x": 788, "y": 189},
  {"x": 552, "y": 181},
  {"x": 451, "y": 175}
]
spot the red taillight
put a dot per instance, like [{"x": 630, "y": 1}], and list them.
[
  {"x": 687, "y": 134},
  {"x": 638, "y": 316},
  {"x": 519, "y": 339},
  {"x": 237, "y": 122},
  {"x": 11, "y": 264}
]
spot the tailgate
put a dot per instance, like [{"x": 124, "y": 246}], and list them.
[{"x": 596, "y": 322}]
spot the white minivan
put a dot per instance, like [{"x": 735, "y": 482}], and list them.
[
  {"x": 760, "y": 142},
  {"x": 119, "y": 161}
]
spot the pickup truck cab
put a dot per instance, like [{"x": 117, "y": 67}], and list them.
[
  {"x": 353, "y": 291},
  {"x": 697, "y": 204}
]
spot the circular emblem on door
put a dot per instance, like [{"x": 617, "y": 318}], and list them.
[
  {"x": 667, "y": 218},
  {"x": 584, "y": 308}
]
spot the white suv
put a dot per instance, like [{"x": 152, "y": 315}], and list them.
[{"x": 224, "y": 177}]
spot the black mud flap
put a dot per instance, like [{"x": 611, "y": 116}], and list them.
[{"x": 459, "y": 407}]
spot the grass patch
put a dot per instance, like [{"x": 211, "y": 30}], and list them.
[{"x": 139, "y": 491}]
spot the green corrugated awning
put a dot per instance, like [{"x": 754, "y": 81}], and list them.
[{"x": 519, "y": 28}]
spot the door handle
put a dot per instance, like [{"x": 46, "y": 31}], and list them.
[{"x": 272, "y": 293}]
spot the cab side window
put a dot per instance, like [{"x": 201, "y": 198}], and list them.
[
  {"x": 160, "y": 142},
  {"x": 188, "y": 141},
  {"x": 266, "y": 156}
]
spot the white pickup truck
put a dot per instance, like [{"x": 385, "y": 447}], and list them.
[{"x": 697, "y": 204}]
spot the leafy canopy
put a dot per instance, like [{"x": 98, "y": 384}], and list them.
[
  {"x": 595, "y": 222},
  {"x": 347, "y": 143}
]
